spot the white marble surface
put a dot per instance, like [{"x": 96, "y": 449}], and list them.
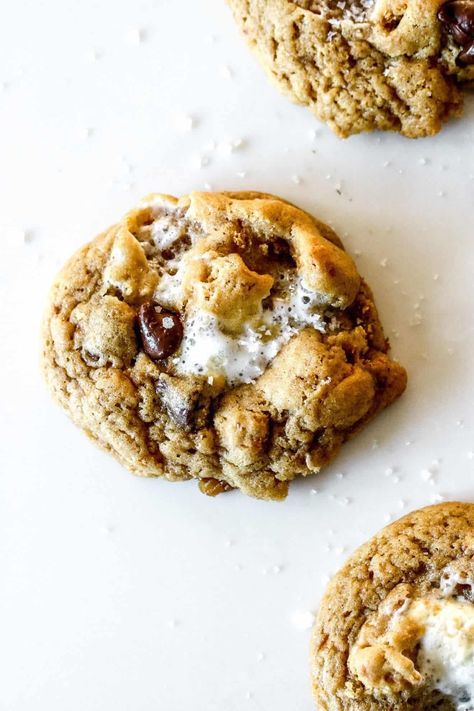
[{"x": 119, "y": 593}]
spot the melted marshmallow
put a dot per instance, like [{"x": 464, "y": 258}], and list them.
[
  {"x": 446, "y": 652},
  {"x": 206, "y": 350}
]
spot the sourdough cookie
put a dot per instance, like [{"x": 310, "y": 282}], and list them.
[
  {"x": 397, "y": 65},
  {"x": 395, "y": 628},
  {"x": 222, "y": 336}
]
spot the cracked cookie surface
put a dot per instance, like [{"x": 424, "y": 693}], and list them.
[
  {"x": 226, "y": 337},
  {"x": 360, "y": 65},
  {"x": 395, "y": 629}
]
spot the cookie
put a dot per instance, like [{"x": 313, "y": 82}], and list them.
[
  {"x": 226, "y": 337},
  {"x": 360, "y": 65},
  {"x": 395, "y": 628}
]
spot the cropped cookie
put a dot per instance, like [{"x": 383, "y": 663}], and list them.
[
  {"x": 395, "y": 628},
  {"x": 222, "y": 336},
  {"x": 397, "y": 65}
]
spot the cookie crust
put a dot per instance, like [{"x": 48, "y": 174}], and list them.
[
  {"x": 409, "y": 555},
  {"x": 322, "y": 386},
  {"x": 361, "y": 65}
]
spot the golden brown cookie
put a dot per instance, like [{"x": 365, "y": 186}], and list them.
[
  {"x": 397, "y": 65},
  {"x": 395, "y": 629},
  {"x": 222, "y": 336}
]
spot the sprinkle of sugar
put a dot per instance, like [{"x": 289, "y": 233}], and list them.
[
  {"x": 260, "y": 656},
  {"x": 27, "y": 236},
  {"x": 470, "y": 455},
  {"x": 277, "y": 569},
  {"x": 389, "y": 471},
  {"x": 296, "y": 179},
  {"x": 248, "y": 695},
  {"x": 423, "y": 161},
  {"x": 387, "y": 518},
  {"x": 241, "y": 173},
  {"x": 435, "y": 277},
  {"x": 168, "y": 323},
  {"x": 207, "y": 186},
  {"x": 437, "y": 498},
  {"x": 172, "y": 623},
  {"x": 302, "y": 619},
  {"x": 384, "y": 262},
  {"x": 313, "y": 492}
]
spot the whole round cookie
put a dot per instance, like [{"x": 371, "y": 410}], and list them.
[
  {"x": 222, "y": 336},
  {"x": 397, "y": 65},
  {"x": 395, "y": 629}
]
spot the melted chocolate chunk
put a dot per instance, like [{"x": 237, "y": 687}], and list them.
[
  {"x": 187, "y": 400},
  {"x": 161, "y": 331},
  {"x": 457, "y": 16}
]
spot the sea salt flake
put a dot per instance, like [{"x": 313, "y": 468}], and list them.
[
  {"x": 225, "y": 71},
  {"x": 302, "y": 619},
  {"x": 135, "y": 35}
]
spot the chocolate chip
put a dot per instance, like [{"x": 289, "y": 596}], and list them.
[
  {"x": 187, "y": 400},
  {"x": 161, "y": 330},
  {"x": 457, "y": 16}
]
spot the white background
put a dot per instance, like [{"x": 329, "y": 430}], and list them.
[{"x": 126, "y": 594}]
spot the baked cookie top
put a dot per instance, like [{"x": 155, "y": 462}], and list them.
[
  {"x": 222, "y": 336},
  {"x": 360, "y": 65},
  {"x": 395, "y": 629}
]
